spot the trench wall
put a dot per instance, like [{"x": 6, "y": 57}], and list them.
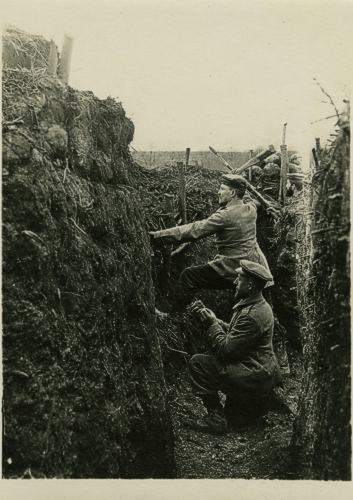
[
  {"x": 84, "y": 390},
  {"x": 322, "y": 432}
]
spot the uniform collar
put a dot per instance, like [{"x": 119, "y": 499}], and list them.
[
  {"x": 249, "y": 301},
  {"x": 234, "y": 202}
]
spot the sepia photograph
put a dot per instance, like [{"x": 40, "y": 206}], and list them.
[{"x": 176, "y": 241}]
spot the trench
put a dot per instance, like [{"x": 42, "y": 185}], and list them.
[
  {"x": 259, "y": 450},
  {"x": 95, "y": 381}
]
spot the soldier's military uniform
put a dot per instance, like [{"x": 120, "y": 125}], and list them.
[
  {"x": 234, "y": 227},
  {"x": 242, "y": 358}
]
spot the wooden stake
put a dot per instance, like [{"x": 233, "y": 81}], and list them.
[
  {"x": 187, "y": 157},
  {"x": 255, "y": 159},
  {"x": 166, "y": 249},
  {"x": 284, "y": 133},
  {"x": 284, "y": 172},
  {"x": 316, "y": 161},
  {"x": 225, "y": 163},
  {"x": 282, "y": 194},
  {"x": 169, "y": 209},
  {"x": 182, "y": 186},
  {"x": 249, "y": 163},
  {"x": 65, "y": 59},
  {"x": 318, "y": 148},
  {"x": 52, "y": 59},
  {"x": 251, "y": 154}
]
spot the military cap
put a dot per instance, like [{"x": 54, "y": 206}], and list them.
[
  {"x": 234, "y": 181},
  {"x": 255, "y": 270}
]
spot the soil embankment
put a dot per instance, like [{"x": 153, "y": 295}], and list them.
[
  {"x": 322, "y": 431},
  {"x": 84, "y": 388}
]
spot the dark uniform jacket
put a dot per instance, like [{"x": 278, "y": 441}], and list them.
[
  {"x": 244, "y": 346},
  {"x": 234, "y": 227}
]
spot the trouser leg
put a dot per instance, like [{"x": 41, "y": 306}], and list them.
[
  {"x": 207, "y": 377},
  {"x": 211, "y": 402},
  {"x": 198, "y": 277}
]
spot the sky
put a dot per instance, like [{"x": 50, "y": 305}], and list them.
[{"x": 199, "y": 73}]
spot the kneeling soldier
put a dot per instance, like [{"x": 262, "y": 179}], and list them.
[{"x": 242, "y": 356}]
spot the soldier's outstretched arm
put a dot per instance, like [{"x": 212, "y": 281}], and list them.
[{"x": 194, "y": 230}]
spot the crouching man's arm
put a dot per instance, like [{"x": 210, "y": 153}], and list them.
[
  {"x": 207, "y": 316},
  {"x": 237, "y": 342}
]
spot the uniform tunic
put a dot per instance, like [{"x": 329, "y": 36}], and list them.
[
  {"x": 234, "y": 227},
  {"x": 243, "y": 356}
]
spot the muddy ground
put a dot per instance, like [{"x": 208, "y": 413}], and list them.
[{"x": 258, "y": 451}]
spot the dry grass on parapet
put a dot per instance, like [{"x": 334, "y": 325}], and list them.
[{"x": 24, "y": 50}]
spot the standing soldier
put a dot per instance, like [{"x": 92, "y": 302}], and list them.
[{"x": 234, "y": 226}]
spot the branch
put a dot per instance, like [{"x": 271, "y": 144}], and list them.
[
  {"x": 180, "y": 248},
  {"x": 12, "y": 122},
  {"x": 77, "y": 226},
  {"x": 327, "y": 117},
  {"x": 176, "y": 350},
  {"x": 327, "y": 95}
]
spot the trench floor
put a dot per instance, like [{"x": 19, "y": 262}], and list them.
[{"x": 253, "y": 452}]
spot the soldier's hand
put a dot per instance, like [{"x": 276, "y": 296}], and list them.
[
  {"x": 196, "y": 306},
  {"x": 155, "y": 239},
  {"x": 207, "y": 316}
]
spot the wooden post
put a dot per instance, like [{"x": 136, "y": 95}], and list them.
[
  {"x": 165, "y": 248},
  {"x": 169, "y": 209},
  {"x": 251, "y": 154},
  {"x": 187, "y": 157},
  {"x": 284, "y": 168},
  {"x": 182, "y": 187},
  {"x": 317, "y": 144},
  {"x": 316, "y": 160},
  {"x": 52, "y": 59},
  {"x": 318, "y": 148},
  {"x": 65, "y": 58},
  {"x": 254, "y": 160},
  {"x": 284, "y": 171},
  {"x": 284, "y": 133}
]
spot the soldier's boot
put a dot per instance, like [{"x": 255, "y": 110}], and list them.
[{"x": 214, "y": 422}]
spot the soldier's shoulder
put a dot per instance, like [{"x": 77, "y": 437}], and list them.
[
  {"x": 261, "y": 311},
  {"x": 221, "y": 213},
  {"x": 241, "y": 208},
  {"x": 247, "y": 312},
  {"x": 250, "y": 206},
  {"x": 262, "y": 305},
  {"x": 232, "y": 212}
]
